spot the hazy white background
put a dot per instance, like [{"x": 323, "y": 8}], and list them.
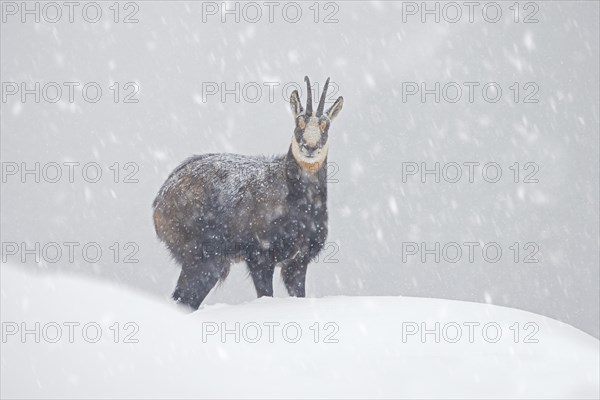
[{"x": 368, "y": 53}]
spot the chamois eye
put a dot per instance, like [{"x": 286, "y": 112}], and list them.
[
  {"x": 323, "y": 125},
  {"x": 301, "y": 123}
]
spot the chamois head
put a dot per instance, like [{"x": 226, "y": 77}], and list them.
[{"x": 309, "y": 143}]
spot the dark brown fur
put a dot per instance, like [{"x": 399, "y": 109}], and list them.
[{"x": 215, "y": 209}]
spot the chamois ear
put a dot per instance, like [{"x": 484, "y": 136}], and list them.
[
  {"x": 335, "y": 109},
  {"x": 295, "y": 104}
]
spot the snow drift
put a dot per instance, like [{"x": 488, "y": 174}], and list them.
[{"x": 111, "y": 342}]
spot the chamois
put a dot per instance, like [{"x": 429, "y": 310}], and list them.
[{"x": 215, "y": 209}]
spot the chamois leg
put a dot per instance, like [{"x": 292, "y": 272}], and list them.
[
  {"x": 261, "y": 272},
  {"x": 294, "y": 278},
  {"x": 197, "y": 280}
]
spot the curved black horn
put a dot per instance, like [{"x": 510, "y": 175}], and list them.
[
  {"x": 322, "y": 101},
  {"x": 308, "y": 96}
]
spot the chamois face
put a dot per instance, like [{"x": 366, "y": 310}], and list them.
[{"x": 309, "y": 142}]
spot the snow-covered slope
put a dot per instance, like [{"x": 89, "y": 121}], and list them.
[{"x": 364, "y": 347}]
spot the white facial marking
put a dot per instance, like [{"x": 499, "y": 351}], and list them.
[{"x": 312, "y": 133}]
